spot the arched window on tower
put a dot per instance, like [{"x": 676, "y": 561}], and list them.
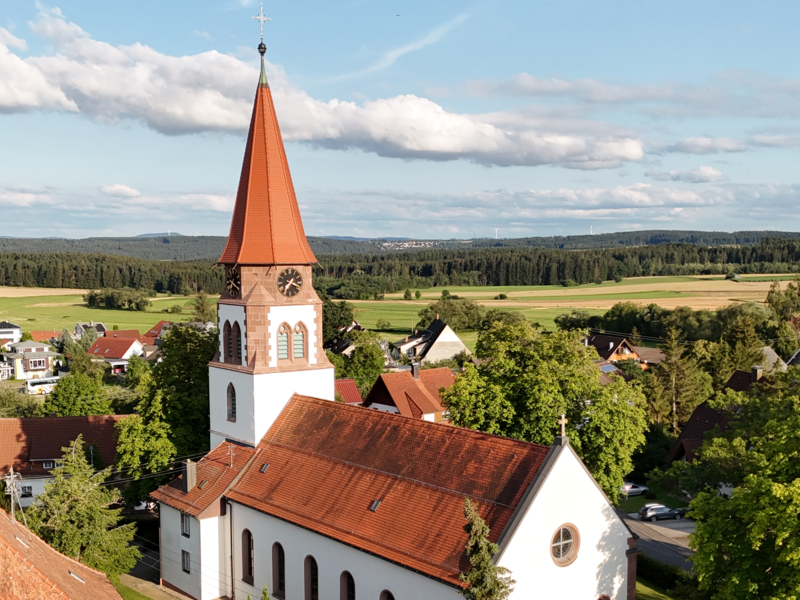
[
  {"x": 278, "y": 570},
  {"x": 231, "y": 403},
  {"x": 283, "y": 342},
  {"x": 347, "y": 587},
  {"x": 387, "y": 595},
  {"x": 248, "y": 556},
  {"x": 312, "y": 578},
  {"x": 237, "y": 343},
  {"x": 227, "y": 342},
  {"x": 299, "y": 341}
]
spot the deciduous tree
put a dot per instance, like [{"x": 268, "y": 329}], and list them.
[{"x": 77, "y": 395}]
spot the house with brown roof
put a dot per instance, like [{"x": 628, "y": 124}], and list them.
[
  {"x": 48, "y": 337},
  {"x": 612, "y": 349},
  {"x": 115, "y": 351},
  {"x": 32, "y": 447},
  {"x": 30, "y": 568},
  {"x": 414, "y": 393},
  {"x": 348, "y": 390},
  {"x": 318, "y": 499}
]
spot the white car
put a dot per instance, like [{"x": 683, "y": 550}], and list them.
[{"x": 631, "y": 489}]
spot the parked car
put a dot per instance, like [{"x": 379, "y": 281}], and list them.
[
  {"x": 633, "y": 489},
  {"x": 656, "y": 512}
]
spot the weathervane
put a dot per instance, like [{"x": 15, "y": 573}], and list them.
[{"x": 261, "y": 18}]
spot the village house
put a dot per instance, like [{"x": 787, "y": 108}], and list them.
[
  {"x": 348, "y": 390},
  {"x": 414, "y": 393},
  {"x": 437, "y": 342},
  {"x": 30, "y": 568},
  {"x": 649, "y": 356},
  {"x": 29, "y": 360},
  {"x": 10, "y": 332},
  {"x": 47, "y": 337},
  {"x": 32, "y": 446},
  {"x": 115, "y": 351},
  {"x": 314, "y": 498},
  {"x": 82, "y": 328},
  {"x": 613, "y": 349}
]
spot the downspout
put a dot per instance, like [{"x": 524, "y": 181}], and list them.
[{"x": 233, "y": 573}]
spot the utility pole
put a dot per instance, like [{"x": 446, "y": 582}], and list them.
[{"x": 11, "y": 480}]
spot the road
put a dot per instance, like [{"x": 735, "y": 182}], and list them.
[{"x": 662, "y": 547}]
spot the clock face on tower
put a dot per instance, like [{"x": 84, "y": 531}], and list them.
[
  {"x": 290, "y": 282},
  {"x": 233, "y": 282}
]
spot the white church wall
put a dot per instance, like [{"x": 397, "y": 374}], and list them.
[
  {"x": 233, "y": 314},
  {"x": 259, "y": 399},
  {"x": 244, "y": 427},
  {"x": 569, "y": 496},
  {"x": 214, "y": 568},
  {"x": 372, "y": 575},
  {"x": 172, "y": 545},
  {"x": 292, "y": 315}
]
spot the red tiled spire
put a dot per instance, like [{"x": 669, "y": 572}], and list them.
[{"x": 266, "y": 228}]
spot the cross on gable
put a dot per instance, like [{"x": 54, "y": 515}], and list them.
[{"x": 563, "y": 422}]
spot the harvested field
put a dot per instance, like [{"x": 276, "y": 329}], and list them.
[{"x": 22, "y": 292}]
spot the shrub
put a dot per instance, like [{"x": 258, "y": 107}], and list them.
[
  {"x": 501, "y": 297},
  {"x": 569, "y": 283},
  {"x": 617, "y": 278},
  {"x": 650, "y": 495}
]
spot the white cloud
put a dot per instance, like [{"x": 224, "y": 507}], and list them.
[
  {"x": 121, "y": 190},
  {"x": 9, "y": 39},
  {"x": 203, "y": 34},
  {"x": 212, "y": 92},
  {"x": 707, "y": 145},
  {"x": 391, "y": 57},
  {"x": 775, "y": 141},
  {"x": 698, "y": 175}
]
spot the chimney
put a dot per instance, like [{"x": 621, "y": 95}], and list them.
[
  {"x": 189, "y": 476},
  {"x": 756, "y": 374},
  {"x": 406, "y": 338},
  {"x": 437, "y": 316},
  {"x": 586, "y": 342},
  {"x": 415, "y": 370},
  {"x": 610, "y": 345}
]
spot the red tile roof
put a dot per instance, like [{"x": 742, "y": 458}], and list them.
[
  {"x": 348, "y": 389},
  {"x": 108, "y": 347},
  {"x": 43, "y": 336},
  {"x": 30, "y": 569},
  {"x": 129, "y": 334},
  {"x": 412, "y": 397},
  {"x": 216, "y": 470},
  {"x": 266, "y": 227},
  {"x": 156, "y": 330},
  {"x": 328, "y": 463},
  {"x": 26, "y": 442}
]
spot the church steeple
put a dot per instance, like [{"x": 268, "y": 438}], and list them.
[{"x": 266, "y": 228}]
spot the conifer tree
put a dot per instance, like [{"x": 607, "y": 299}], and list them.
[
  {"x": 485, "y": 580},
  {"x": 636, "y": 338},
  {"x": 75, "y": 517}
]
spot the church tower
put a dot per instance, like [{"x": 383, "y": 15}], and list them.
[{"x": 269, "y": 316}]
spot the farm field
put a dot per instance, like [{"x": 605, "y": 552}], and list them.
[{"x": 43, "y": 312}]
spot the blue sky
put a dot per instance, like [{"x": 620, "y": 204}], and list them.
[{"x": 409, "y": 118}]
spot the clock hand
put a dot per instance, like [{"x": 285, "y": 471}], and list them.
[{"x": 286, "y": 287}]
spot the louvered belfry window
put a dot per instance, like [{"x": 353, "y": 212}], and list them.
[{"x": 283, "y": 343}]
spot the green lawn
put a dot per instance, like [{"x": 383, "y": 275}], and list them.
[
  {"x": 42, "y": 313},
  {"x": 634, "y": 503},
  {"x": 129, "y": 594},
  {"x": 648, "y": 591}
]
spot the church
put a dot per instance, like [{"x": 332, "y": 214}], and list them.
[{"x": 318, "y": 500}]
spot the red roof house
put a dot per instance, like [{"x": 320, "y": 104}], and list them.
[
  {"x": 412, "y": 393},
  {"x": 30, "y": 569},
  {"x": 155, "y": 332},
  {"x": 348, "y": 389},
  {"x": 109, "y": 348}
]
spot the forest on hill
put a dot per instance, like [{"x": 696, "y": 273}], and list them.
[
  {"x": 352, "y": 276},
  {"x": 206, "y": 247},
  {"x": 179, "y": 247}
]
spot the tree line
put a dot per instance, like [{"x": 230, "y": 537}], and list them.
[{"x": 358, "y": 276}]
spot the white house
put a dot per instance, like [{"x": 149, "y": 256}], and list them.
[
  {"x": 437, "y": 342},
  {"x": 10, "y": 332},
  {"x": 320, "y": 500},
  {"x": 115, "y": 351},
  {"x": 32, "y": 446},
  {"x": 29, "y": 360}
]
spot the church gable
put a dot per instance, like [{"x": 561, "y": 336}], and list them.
[{"x": 328, "y": 465}]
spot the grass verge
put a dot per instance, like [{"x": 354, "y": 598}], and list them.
[
  {"x": 129, "y": 594},
  {"x": 649, "y": 591}
]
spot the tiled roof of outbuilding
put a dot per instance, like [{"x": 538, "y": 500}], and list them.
[
  {"x": 329, "y": 462},
  {"x": 348, "y": 389},
  {"x": 29, "y": 568}
]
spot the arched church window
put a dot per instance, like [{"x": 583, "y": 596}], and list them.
[
  {"x": 283, "y": 342},
  {"x": 237, "y": 342},
  {"x": 231, "y": 403},
  {"x": 299, "y": 341},
  {"x": 227, "y": 337},
  {"x": 347, "y": 587},
  {"x": 312, "y": 578},
  {"x": 565, "y": 545},
  {"x": 278, "y": 570},
  {"x": 248, "y": 557}
]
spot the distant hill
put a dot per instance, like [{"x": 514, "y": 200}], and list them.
[{"x": 206, "y": 247}]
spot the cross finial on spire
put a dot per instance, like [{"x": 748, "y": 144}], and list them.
[
  {"x": 261, "y": 18},
  {"x": 563, "y": 422}
]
